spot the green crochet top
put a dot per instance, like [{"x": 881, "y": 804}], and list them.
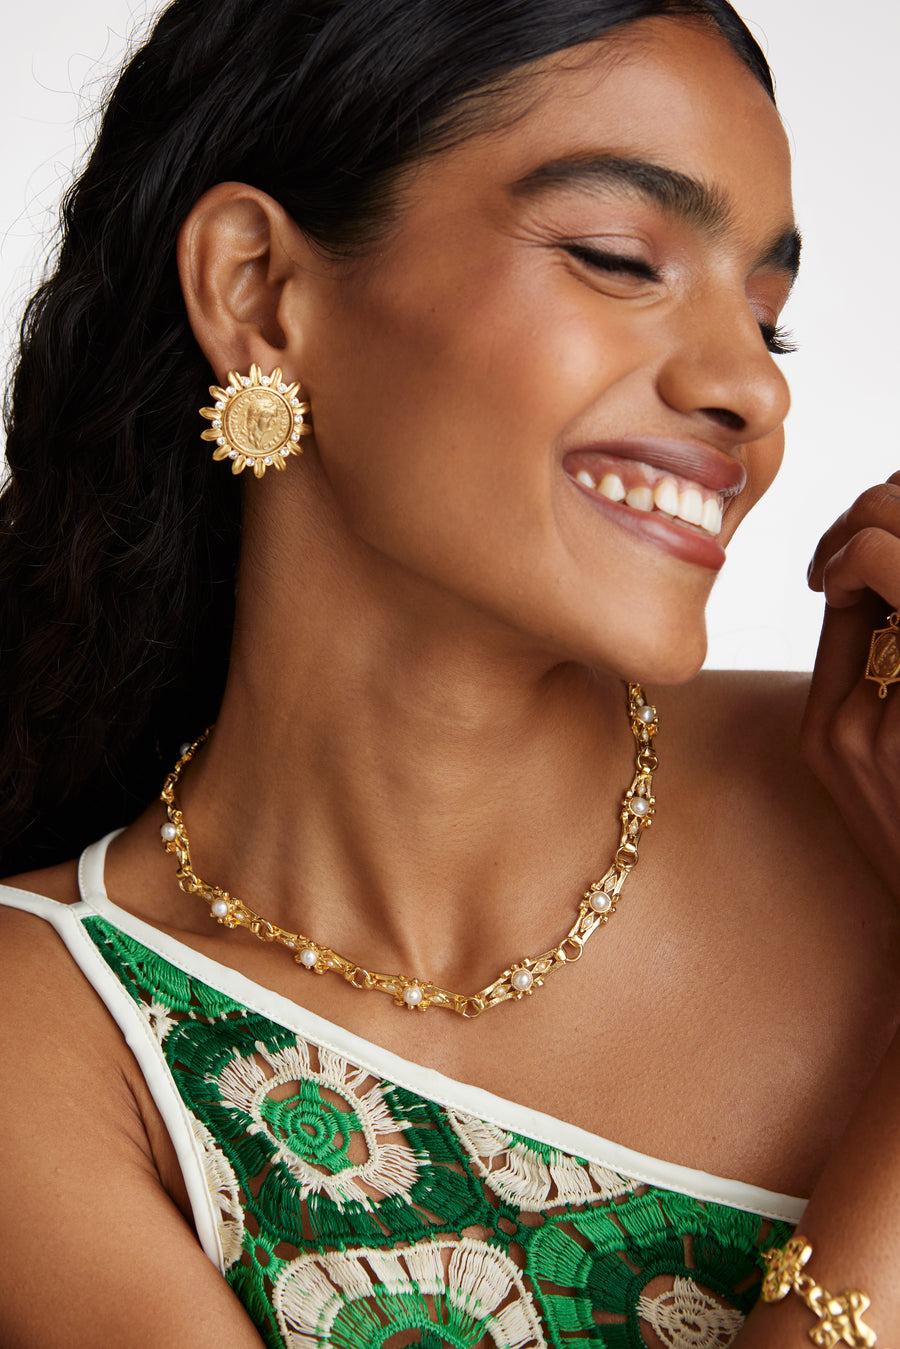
[
  {"x": 355, "y": 1200},
  {"x": 352, "y": 1209}
]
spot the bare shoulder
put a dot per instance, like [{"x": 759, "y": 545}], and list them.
[
  {"x": 53, "y": 1027},
  {"x": 761, "y": 708},
  {"x": 93, "y": 1209},
  {"x": 43, "y": 989},
  {"x": 37, "y": 974},
  {"x": 740, "y": 732},
  {"x": 57, "y": 882},
  {"x": 798, "y": 909},
  {"x": 744, "y": 725}
]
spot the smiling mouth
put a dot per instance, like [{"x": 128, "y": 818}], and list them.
[{"x": 650, "y": 491}]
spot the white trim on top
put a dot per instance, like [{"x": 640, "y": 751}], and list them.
[{"x": 427, "y": 1082}]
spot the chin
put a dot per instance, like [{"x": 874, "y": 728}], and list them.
[
  {"x": 665, "y": 674},
  {"x": 660, "y": 673},
  {"x": 658, "y": 659},
  {"x": 655, "y": 635}
]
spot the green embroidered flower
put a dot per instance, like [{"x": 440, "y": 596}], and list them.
[
  {"x": 325, "y": 1152},
  {"x": 311, "y": 1127},
  {"x": 650, "y": 1257},
  {"x": 454, "y": 1294}
]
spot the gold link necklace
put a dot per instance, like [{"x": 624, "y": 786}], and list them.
[{"x": 595, "y": 908}]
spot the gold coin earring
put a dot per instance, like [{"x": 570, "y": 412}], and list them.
[{"x": 257, "y": 421}]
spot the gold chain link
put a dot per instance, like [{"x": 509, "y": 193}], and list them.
[
  {"x": 596, "y": 907},
  {"x": 839, "y": 1316}
]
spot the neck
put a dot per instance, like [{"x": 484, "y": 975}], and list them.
[{"x": 406, "y": 791}]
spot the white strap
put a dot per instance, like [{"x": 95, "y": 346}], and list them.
[{"x": 91, "y": 868}]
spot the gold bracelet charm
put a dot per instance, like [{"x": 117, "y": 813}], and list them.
[{"x": 840, "y": 1315}]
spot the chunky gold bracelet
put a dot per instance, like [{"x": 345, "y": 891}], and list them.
[{"x": 840, "y": 1315}]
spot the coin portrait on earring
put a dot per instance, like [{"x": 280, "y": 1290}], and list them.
[{"x": 257, "y": 421}]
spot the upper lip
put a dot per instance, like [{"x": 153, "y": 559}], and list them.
[{"x": 683, "y": 458}]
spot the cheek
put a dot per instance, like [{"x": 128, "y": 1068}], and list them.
[
  {"x": 450, "y": 366},
  {"x": 763, "y": 462}
]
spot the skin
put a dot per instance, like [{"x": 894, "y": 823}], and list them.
[{"x": 423, "y": 744}]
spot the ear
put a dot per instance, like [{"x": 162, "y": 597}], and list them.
[{"x": 239, "y": 255}]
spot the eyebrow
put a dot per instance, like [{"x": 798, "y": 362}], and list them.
[
  {"x": 688, "y": 198},
  {"x": 784, "y": 253}
]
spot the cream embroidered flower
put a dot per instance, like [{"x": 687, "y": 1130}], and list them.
[
  {"x": 157, "y": 1015},
  {"x": 467, "y": 1292},
  {"x": 687, "y": 1317},
  {"x": 334, "y": 1134},
  {"x": 531, "y": 1176},
  {"x": 225, "y": 1192}
]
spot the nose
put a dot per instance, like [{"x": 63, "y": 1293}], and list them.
[{"x": 719, "y": 371}]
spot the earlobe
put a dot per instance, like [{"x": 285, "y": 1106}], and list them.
[{"x": 234, "y": 263}]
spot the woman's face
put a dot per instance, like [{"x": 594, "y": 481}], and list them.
[{"x": 571, "y": 309}]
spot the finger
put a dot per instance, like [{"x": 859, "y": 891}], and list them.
[
  {"x": 869, "y": 561},
  {"x": 851, "y": 736},
  {"x": 843, "y": 650},
  {"x": 878, "y": 507},
  {"x": 843, "y": 708}
]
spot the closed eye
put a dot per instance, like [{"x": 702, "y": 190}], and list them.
[
  {"x": 616, "y": 263},
  {"x": 777, "y": 340}
]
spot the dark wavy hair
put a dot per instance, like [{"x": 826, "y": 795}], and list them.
[{"x": 118, "y": 535}]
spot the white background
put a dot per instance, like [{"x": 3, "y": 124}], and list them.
[{"x": 836, "y": 73}]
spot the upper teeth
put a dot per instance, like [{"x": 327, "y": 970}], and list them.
[
  {"x": 640, "y": 498},
  {"x": 687, "y": 503}
]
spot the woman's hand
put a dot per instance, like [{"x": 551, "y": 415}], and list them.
[
  {"x": 852, "y": 741},
  {"x": 851, "y": 736}
]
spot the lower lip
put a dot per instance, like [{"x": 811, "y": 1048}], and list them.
[{"x": 666, "y": 535}]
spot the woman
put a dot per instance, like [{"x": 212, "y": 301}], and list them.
[{"x": 524, "y": 266}]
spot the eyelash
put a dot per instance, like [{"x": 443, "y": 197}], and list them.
[
  {"x": 777, "y": 340},
  {"x": 613, "y": 262}
]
